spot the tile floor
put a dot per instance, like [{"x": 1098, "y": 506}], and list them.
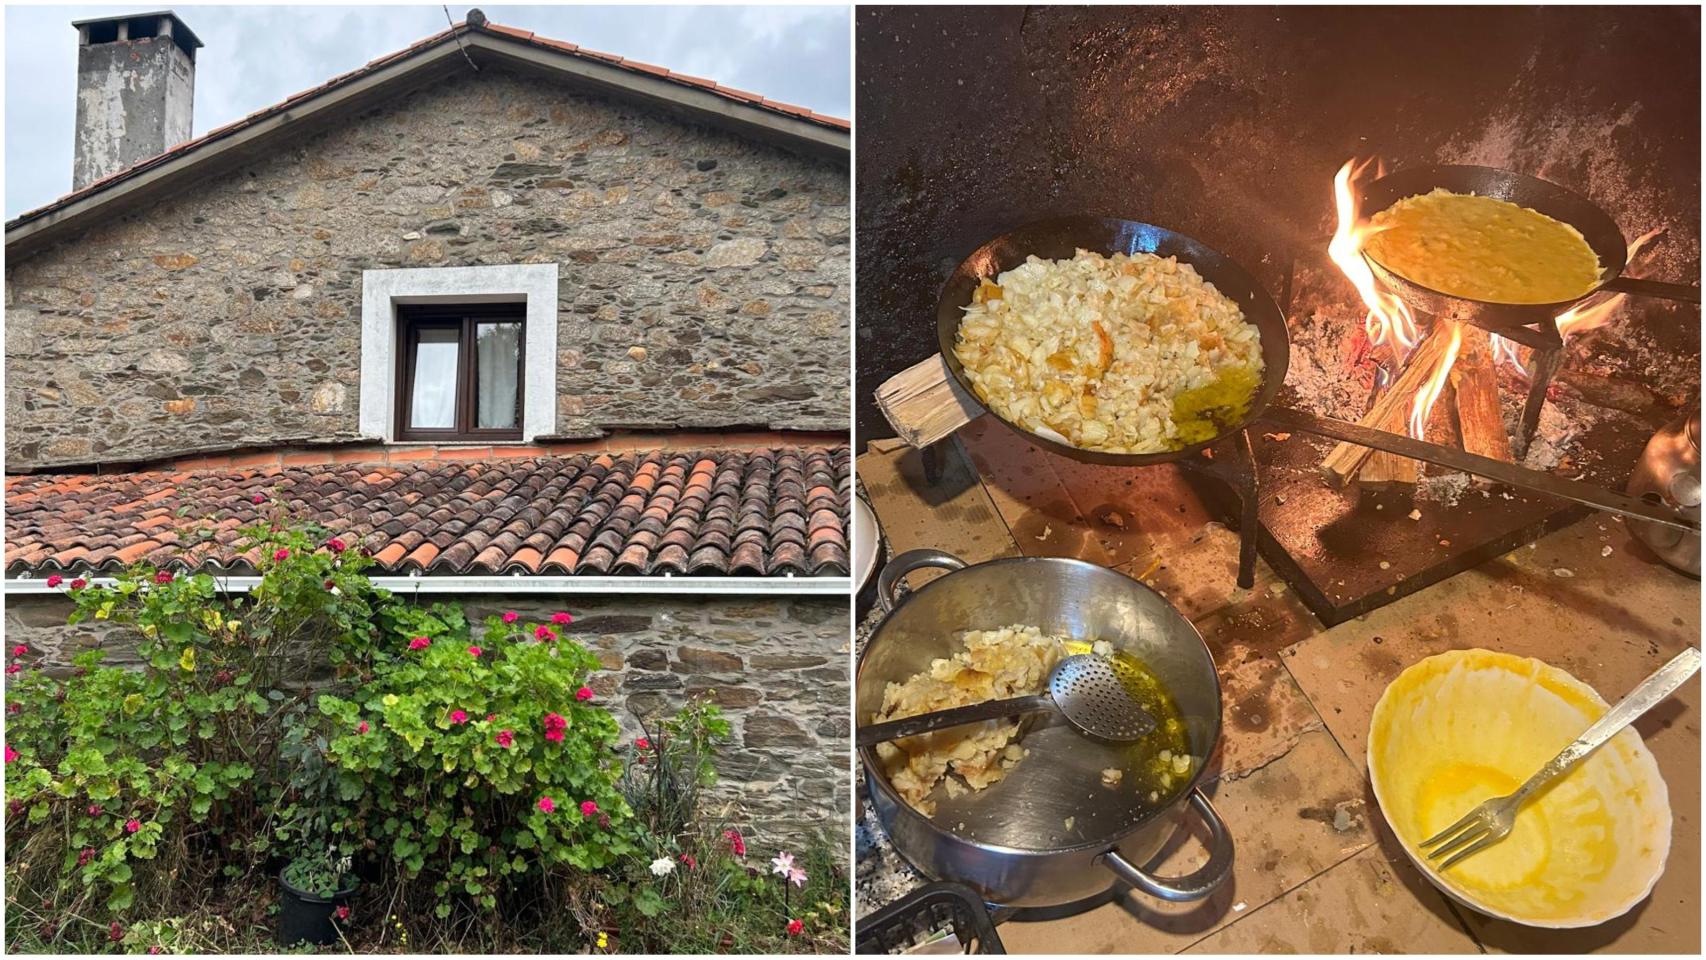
[{"x": 1316, "y": 869}]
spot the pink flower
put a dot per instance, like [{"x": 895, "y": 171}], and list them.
[
  {"x": 475, "y": 651},
  {"x": 20, "y": 650},
  {"x": 794, "y": 928},
  {"x": 583, "y": 694},
  {"x": 14, "y": 708},
  {"x": 281, "y": 556},
  {"x": 132, "y": 825},
  {"x": 79, "y": 583},
  {"x": 258, "y": 498},
  {"x": 737, "y": 843},
  {"x": 797, "y": 877},
  {"x": 458, "y": 716},
  {"x": 115, "y": 933},
  {"x": 562, "y": 619},
  {"x": 505, "y": 738},
  {"x": 94, "y": 809},
  {"x": 642, "y": 743},
  {"x": 335, "y": 545},
  {"x": 554, "y": 727},
  {"x": 588, "y": 808},
  {"x": 490, "y": 717},
  {"x": 10, "y": 753},
  {"x": 543, "y": 633},
  {"x": 55, "y": 580},
  {"x": 687, "y": 858},
  {"x": 83, "y": 857},
  {"x": 15, "y": 668},
  {"x": 547, "y": 805},
  {"x": 511, "y": 616},
  {"x": 419, "y": 643},
  {"x": 164, "y": 576},
  {"x": 343, "y": 913},
  {"x": 361, "y": 727}
]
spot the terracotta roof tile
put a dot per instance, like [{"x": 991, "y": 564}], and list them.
[{"x": 738, "y": 512}]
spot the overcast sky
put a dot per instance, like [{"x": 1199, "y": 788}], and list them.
[{"x": 256, "y": 56}]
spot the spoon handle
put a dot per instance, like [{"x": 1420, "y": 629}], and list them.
[
  {"x": 928, "y": 722},
  {"x": 1644, "y": 697}
]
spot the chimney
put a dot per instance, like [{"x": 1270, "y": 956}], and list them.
[{"x": 135, "y": 84}]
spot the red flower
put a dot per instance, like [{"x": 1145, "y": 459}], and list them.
[
  {"x": 583, "y": 694},
  {"x": 505, "y": 738},
  {"x": 554, "y": 727},
  {"x": 490, "y": 717},
  {"x": 361, "y": 727},
  {"x": 331, "y": 584},
  {"x": 132, "y": 825},
  {"x": 458, "y": 716},
  {"x": 79, "y": 583},
  {"x": 94, "y": 809},
  {"x": 223, "y": 677},
  {"x": 794, "y": 928},
  {"x": 55, "y": 580},
  {"x": 642, "y": 743},
  {"x": 475, "y": 651},
  {"x": 588, "y": 808},
  {"x": 687, "y": 858},
  {"x": 562, "y": 619},
  {"x": 604, "y": 821},
  {"x": 115, "y": 933},
  {"x": 20, "y": 650},
  {"x": 737, "y": 843},
  {"x": 511, "y": 616},
  {"x": 343, "y": 913},
  {"x": 164, "y": 576},
  {"x": 258, "y": 498},
  {"x": 15, "y": 668},
  {"x": 281, "y": 555},
  {"x": 85, "y": 856},
  {"x": 419, "y": 643},
  {"x": 547, "y": 805},
  {"x": 543, "y": 633},
  {"x": 335, "y": 545}
]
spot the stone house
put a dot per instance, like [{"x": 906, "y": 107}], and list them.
[{"x": 540, "y": 326}]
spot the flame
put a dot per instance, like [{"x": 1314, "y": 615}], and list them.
[
  {"x": 1590, "y": 314},
  {"x": 1423, "y": 404},
  {"x": 1388, "y": 321}
]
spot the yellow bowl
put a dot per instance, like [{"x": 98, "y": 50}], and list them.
[{"x": 1458, "y": 728}]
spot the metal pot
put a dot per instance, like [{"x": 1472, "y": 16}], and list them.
[
  {"x": 1050, "y": 833},
  {"x": 1669, "y": 474}
]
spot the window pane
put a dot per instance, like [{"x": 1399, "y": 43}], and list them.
[
  {"x": 497, "y": 351},
  {"x": 433, "y": 404}
]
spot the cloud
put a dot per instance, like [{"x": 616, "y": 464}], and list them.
[{"x": 256, "y": 56}]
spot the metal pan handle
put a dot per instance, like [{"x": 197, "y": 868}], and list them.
[
  {"x": 1192, "y": 886},
  {"x": 1653, "y": 288},
  {"x": 896, "y": 570}
]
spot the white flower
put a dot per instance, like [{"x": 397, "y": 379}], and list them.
[
  {"x": 662, "y": 867},
  {"x": 782, "y": 864}
]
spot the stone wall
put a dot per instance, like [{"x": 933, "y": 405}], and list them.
[
  {"x": 703, "y": 277},
  {"x": 777, "y": 667}
]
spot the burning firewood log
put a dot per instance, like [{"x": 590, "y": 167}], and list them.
[
  {"x": 1392, "y": 410},
  {"x": 1479, "y": 419}
]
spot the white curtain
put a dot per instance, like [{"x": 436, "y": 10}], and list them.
[
  {"x": 433, "y": 404},
  {"x": 497, "y": 354}
]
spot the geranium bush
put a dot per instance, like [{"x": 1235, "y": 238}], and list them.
[{"x": 474, "y": 765}]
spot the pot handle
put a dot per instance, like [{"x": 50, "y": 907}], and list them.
[
  {"x": 1193, "y": 886},
  {"x": 896, "y": 570}
]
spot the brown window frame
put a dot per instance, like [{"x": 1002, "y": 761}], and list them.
[{"x": 466, "y": 318}]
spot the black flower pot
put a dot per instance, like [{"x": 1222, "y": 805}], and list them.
[{"x": 305, "y": 917}]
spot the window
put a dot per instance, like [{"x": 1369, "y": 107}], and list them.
[{"x": 460, "y": 375}]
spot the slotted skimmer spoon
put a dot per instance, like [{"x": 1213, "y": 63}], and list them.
[
  {"x": 1083, "y": 688},
  {"x": 1491, "y": 820}
]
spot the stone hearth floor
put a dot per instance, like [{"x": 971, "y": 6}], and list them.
[{"x": 1316, "y": 870}]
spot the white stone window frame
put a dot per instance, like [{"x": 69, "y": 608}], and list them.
[{"x": 382, "y": 291}]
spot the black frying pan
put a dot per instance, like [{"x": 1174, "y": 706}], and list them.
[
  {"x": 1059, "y": 240},
  {"x": 1596, "y": 227}
]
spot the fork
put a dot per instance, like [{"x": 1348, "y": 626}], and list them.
[{"x": 1491, "y": 820}]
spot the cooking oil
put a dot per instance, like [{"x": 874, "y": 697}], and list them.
[
  {"x": 1204, "y": 412},
  {"x": 1162, "y": 761}
]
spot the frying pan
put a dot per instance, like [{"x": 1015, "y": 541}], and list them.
[
  {"x": 1060, "y": 239},
  {"x": 1596, "y": 226}
]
